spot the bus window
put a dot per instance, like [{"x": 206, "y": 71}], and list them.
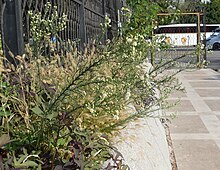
[
  {"x": 188, "y": 30},
  {"x": 211, "y": 28}
]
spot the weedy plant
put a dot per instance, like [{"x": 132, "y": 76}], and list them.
[{"x": 62, "y": 111}]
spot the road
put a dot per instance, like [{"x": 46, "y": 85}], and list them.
[{"x": 214, "y": 58}]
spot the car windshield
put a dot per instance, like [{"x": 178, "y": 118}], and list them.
[{"x": 215, "y": 33}]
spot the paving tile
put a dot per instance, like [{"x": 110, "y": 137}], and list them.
[
  {"x": 183, "y": 105},
  {"x": 217, "y": 76},
  {"x": 214, "y": 77},
  {"x": 212, "y": 123},
  {"x": 218, "y": 143},
  {"x": 188, "y": 124},
  {"x": 200, "y": 106},
  {"x": 205, "y": 84},
  {"x": 178, "y": 94},
  {"x": 189, "y": 113},
  {"x": 218, "y": 116},
  {"x": 216, "y": 112},
  {"x": 214, "y": 105},
  {"x": 197, "y": 154},
  {"x": 208, "y": 92},
  {"x": 192, "y": 136},
  {"x": 195, "y": 77},
  {"x": 198, "y": 72}
]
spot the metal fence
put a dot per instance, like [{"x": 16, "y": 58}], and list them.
[{"x": 84, "y": 18}]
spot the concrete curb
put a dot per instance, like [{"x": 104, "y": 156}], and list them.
[{"x": 144, "y": 145}]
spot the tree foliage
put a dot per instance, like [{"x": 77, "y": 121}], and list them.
[
  {"x": 213, "y": 12},
  {"x": 189, "y": 7}
]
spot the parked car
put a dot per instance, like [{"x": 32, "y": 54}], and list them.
[{"x": 213, "y": 42}]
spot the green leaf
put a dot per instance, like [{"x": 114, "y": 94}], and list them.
[
  {"x": 39, "y": 167},
  {"x": 51, "y": 116},
  {"x": 21, "y": 159},
  {"x": 26, "y": 164},
  {"x": 38, "y": 111},
  {"x": 61, "y": 142},
  {"x": 25, "y": 151},
  {"x": 5, "y": 113}
]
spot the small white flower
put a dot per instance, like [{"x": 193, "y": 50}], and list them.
[
  {"x": 129, "y": 40},
  {"x": 134, "y": 43}
]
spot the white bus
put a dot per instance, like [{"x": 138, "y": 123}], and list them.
[{"x": 184, "y": 34}]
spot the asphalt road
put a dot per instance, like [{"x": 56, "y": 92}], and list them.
[{"x": 213, "y": 57}]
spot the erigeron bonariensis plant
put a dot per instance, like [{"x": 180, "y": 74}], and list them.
[
  {"x": 67, "y": 108},
  {"x": 74, "y": 106},
  {"x": 46, "y": 27}
]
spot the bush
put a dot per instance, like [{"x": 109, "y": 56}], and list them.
[{"x": 62, "y": 111}]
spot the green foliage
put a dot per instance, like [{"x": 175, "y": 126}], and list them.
[
  {"x": 62, "y": 112},
  {"x": 167, "y": 6},
  {"x": 189, "y": 7},
  {"x": 64, "y": 108},
  {"x": 45, "y": 27},
  {"x": 213, "y": 12},
  {"x": 143, "y": 14}
]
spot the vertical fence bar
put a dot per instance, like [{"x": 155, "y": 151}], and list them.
[
  {"x": 2, "y": 7},
  {"x": 152, "y": 49},
  {"x": 13, "y": 31},
  {"x": 198, "y": 38},
  {"x": 82, "y": 27},
  {"x": 204, "y": 37},
  {"x": 104, "y": 13},
  {"x": 118, "y": 18}
]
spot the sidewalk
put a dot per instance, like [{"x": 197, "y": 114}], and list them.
[{"x": 195, "y": 131}]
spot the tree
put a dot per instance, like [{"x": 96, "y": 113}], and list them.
[
  {"x": 189, "y": 6},
  {"x": 213, "y": 12},
  {"x": 166, "y": 6}
]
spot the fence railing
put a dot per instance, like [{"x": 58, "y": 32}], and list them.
[{"x": 84, "y": 18}]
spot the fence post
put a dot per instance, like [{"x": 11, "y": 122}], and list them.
[
  {"x": 13, "y": 41},
  {"x": 82, "y": 26}
]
